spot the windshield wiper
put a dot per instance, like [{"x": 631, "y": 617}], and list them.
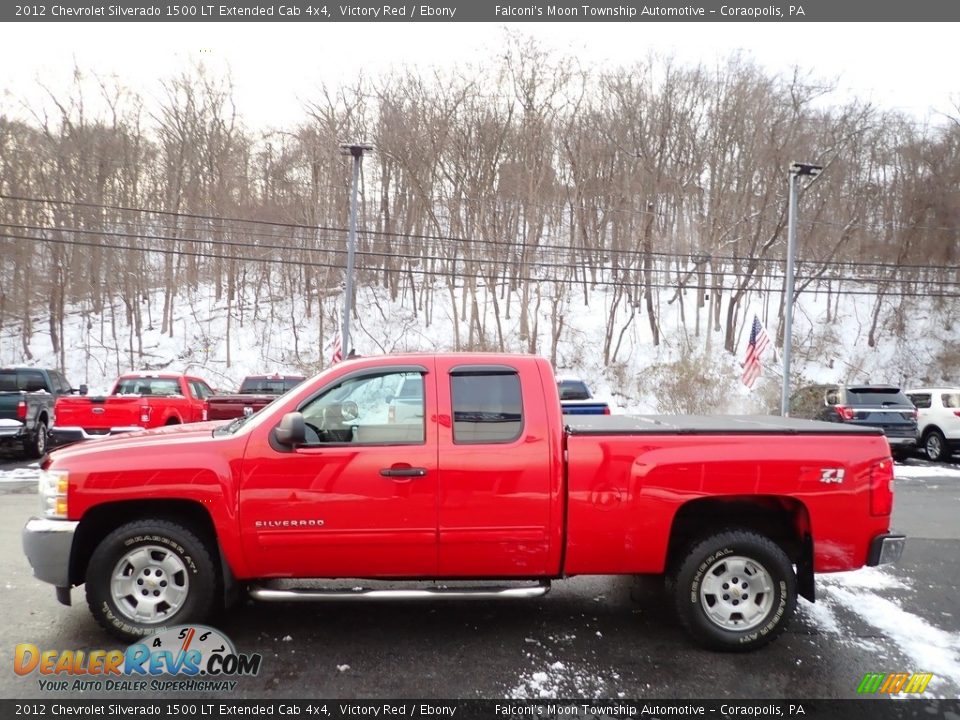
[{"x": 232, "y": 426}]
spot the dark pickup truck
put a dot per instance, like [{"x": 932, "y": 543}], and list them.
[
  {"x": 27, "y": 397},
  {"x": 576, "y": 398},
  {"x": 256, "y": 392}
]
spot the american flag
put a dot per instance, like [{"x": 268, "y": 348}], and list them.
[
  {"x": 758, "y": 343},
  {"x": 337, "y": 354}
]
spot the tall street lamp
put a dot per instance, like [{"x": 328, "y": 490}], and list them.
[
  {"x": 356, "y": 150},
  {"x": 796, "y": 170}
]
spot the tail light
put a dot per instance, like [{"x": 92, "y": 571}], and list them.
[
  {"x": 22, "y": 410},
  {"x": 845, "y": 413},
  {"x": 957, "y": 413},
  {"x": 144, "y": 413},
  {"x": 916, "y": 414},
  {"x": 881, "y": 488},
  {"x": 606, "y": 410}
]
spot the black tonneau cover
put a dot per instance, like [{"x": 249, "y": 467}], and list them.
[{"x": 707, "y": 425}]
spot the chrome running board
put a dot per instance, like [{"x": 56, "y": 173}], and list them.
[{"x": 260, "y": 592}]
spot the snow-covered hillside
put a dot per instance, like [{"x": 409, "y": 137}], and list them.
[{"x": 685, "y": 373}]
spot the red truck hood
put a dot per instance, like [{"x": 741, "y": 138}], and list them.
[{"x": 157, "y": 436}]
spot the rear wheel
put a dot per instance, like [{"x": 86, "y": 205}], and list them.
[
  {"x": 36, "y": 446},
  {"x": 735, "y": 590},
  {"x": 935, "y": 446},
  {"x": 147, "y": 575}
]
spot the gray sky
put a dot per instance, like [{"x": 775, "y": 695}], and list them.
[{"x": 274, "y": 65}]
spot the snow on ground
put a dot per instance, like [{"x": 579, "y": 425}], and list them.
[
  {"x": 922, "y": 472},
  {"x": 563, "y": 680},
  {"x": 864, "y": 594},
  {"x": 20, "y": 474}
]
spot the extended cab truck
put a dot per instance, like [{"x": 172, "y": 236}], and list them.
[
  {"x": 27, "y": 397},
  {"x": 137, "y": 401},
  {"x": 486, "y": 484},
  {"x": 255, "y": 393}
]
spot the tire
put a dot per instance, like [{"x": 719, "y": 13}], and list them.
[
  {"x": 36, "y": 446},
  {"x": 750, "y": 559},
  {"x": 160, "y": 557},
  {"x": 935, "y": 446}
]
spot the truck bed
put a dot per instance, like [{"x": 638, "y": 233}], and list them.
[{"x": 707, "y": 425}]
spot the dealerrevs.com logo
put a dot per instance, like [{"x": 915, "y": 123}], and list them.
[{"x": 182, "y": 658}]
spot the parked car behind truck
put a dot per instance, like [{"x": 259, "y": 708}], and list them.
[
  {"x": 27, "y": 397},
  {"x": 938, "y": 420},
  {"x": 485, "y": 482},
  {"x": 576, "y": 398},
  {"x": 880, "y": 406},
  {"x": 255, "y": 393},
  {"x": 137, "y": 401}
]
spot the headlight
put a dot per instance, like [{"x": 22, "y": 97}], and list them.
[{"x": 53, "y": 493}]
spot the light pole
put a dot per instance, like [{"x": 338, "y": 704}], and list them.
[
  {"x": 796, "y": 170},
  {"x": 357, "y": 151}
]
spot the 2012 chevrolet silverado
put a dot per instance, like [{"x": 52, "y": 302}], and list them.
[{"x": 486, "y": 483}]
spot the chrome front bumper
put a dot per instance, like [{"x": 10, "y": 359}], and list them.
[{"x": 47, "y": 544}]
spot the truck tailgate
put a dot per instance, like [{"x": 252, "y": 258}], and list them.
[{"x": 99, "y": 414}]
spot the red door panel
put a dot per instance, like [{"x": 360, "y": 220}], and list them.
[
  {"x": 342, "y": 510},
  {"x": 495, "y": 498}
]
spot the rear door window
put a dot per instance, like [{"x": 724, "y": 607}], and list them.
[{"x": 487, "y": 407}]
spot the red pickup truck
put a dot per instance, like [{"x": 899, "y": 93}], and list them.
[
  {"x": 485, "y": 483},
  {"x": 137, "y": 401}
]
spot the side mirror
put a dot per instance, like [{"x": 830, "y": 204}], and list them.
[
  {"x": 84, "y": 389},
  {"x": 291, "y": 430}
]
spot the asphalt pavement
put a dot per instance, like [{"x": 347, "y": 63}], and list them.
[{"x": 590, "y": 637}]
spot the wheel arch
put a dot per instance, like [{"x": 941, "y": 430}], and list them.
[
  {"x": 101, "y": 520},
  {"x": 783, "y": 519}
]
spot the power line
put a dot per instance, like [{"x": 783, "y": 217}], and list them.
[
  {"x": 537, "y": 264},
  {"x": 444, "y": 273},
  {"x": 699, "y": 258}
]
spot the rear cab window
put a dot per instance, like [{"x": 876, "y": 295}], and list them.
[
  {"x": 148, "y": 386},
  {"x": 573, "y": 390},
  {"x": 487, "y": 405}
]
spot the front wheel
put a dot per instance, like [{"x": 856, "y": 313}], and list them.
[
  {"x": 36, "y": 446},
  {"x": 147, "y": 575},
  {"x": 735, "y": 590}
]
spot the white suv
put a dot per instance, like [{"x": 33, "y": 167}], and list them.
[{"x": 938, "y": 422}]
